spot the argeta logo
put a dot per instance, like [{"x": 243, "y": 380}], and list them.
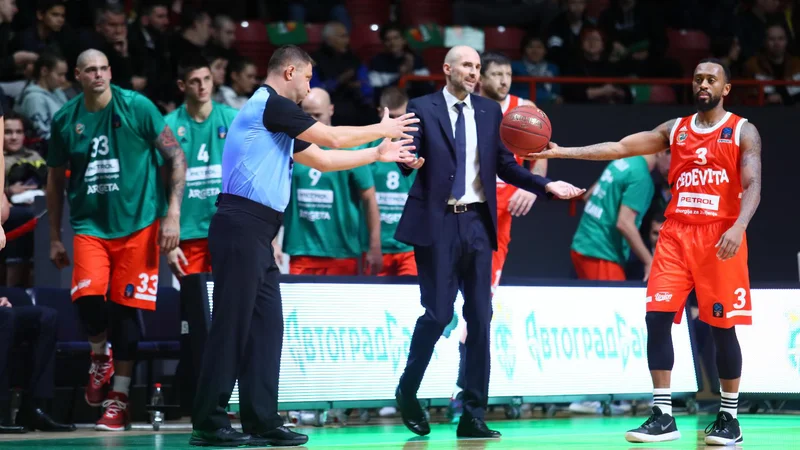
[{"x": 794, "y": 341}]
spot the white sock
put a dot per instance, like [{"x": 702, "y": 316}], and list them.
[
  {"x": 729, "y": 403},
  {"x": 121, "y": 384},
  {"x": 663, "y": 399},
  {"x": 99, "y": 348}
]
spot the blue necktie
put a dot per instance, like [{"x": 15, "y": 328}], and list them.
[{"x": 461, "y": 154}]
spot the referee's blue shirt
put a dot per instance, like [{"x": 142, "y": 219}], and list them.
[{"x": 257, "y": 159}]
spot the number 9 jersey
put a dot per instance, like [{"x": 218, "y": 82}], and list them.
[{"x": 705, "y": 178}]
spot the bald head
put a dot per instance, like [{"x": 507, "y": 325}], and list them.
[
  {"x": 317, "y": 104},
  {"x": 462, "y": 67},
  {"x": 93, "y": 56},
  {"x": 93, "y": 72}
]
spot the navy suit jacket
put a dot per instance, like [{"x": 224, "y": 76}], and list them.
[{"x": 425, "y": 208}]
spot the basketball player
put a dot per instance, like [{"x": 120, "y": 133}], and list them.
[
  {"x": 511, "y": 202},
  {"x": 201, "y": 126},
  {"x": 111, "y": 139},
  {"x": 715, "y": 176}
]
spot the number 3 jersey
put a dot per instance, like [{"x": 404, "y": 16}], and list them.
[
  {"x": 704, "y": 174},
  {"x": 114, "y": 188},
  {"x": 203, "y": 144}
]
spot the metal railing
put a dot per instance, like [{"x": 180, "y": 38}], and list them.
[{"x": 533, "y": 81}]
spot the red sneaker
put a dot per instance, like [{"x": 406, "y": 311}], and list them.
[
  {"x": 100, "y": 373},
  {"x": 115, "y": 416}
]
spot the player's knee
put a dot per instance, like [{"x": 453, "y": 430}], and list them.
[
  {"x": 125, "y": 332},
  {"x": 729, "y": 353},
  {"x": 660, "y": 354},
  {"x": 93, "y": 314}
]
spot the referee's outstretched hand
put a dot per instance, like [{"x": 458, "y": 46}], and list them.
[
  {"x": 396, "y": 151},
  {"x": 398, "y": 127}
]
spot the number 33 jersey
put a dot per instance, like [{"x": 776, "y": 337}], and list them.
[
  {"x": 704, "y": 175},
  {"x": 202, "y": 142}
]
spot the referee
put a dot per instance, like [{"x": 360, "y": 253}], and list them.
[{"x": 268, "y": 134}]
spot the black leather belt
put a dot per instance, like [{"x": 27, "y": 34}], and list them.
[{"x": 462, "y": 208}]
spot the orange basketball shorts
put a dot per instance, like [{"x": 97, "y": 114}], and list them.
[
  {"x": 317, "y": 265},
  {"x": 686, "y": 258},
  {"x": 503, "y": 240},
  {"x": 590, "y": 268},
  {"x": 128, "y": 265},
  {"x": 398, "y": 264},
  {"x": 198, "y": 256}
]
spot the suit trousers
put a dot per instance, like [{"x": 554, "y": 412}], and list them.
[
  {"x": 459, "y": 259},
  {"x": 246, "y": 333},
  {"x": 37, "y": 326}
]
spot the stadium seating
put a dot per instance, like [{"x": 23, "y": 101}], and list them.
[
  {"x": 688, "y": 47},
  {"x": 368, "y": 11},
  {"x": 505, "y": 40},
  {"x": 414, "y": 12},
  {"x": 365, "y": 40}
]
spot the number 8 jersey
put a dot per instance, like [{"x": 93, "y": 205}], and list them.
[{"x": 704, "y": 175}]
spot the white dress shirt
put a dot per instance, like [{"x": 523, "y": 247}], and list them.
[{"x": 473, "y": 192}]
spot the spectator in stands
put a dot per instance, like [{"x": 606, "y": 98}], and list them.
[
  {"x": 775, "y": 63},
  {"x": 25, "y": 178},
  {"x": 148, "y": 40},
  {"x": 223, "y": 37},
  {"x": 564, "y": 33},
  {"x": 535, "y": 14},
  {"x": 43, "y": 95},
  {"x": 727, "y": 49},
  {"x": 194, "y": 36},
  {"x": 219, "y": 69},
  {"x": 397, "y": 60},
  {"x": 110, "y": 36},
  {"x": 240, "y": 83},
  {"x": 341, "y": 73},
  {"x": 593, "y": 62},
  {"x": 319, "y": 11},
  {"x": 534, "y": 64},
  {"x": 46, "y": 34},
  {"x": 752, "y": 24},
  {"x": 12, "y": 62}
]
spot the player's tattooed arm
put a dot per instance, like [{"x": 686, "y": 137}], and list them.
[
  {"x": 644, "y": 143},
  {"x": 751, "y": 173},
  {"x": 171, "y": 151}
]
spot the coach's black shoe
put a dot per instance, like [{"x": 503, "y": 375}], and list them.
[
  {"x": 475, "y": 428},
  {"x": 279, "y": 437},
  {"x": 8, "y": 428},
  {"x": 412, "y": 414},
  {"x": 36, "y": 419},
  {"x": 659, "y": 427},
  {"x": 223, "y": 437},
  {"x": 724, "y": 431}
]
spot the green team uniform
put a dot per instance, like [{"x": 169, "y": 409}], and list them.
[
  {"x": 202, "y": 143},
  {"x": 391, "y": 190},
  {"x": 624, "y": 182},
  {"x": 324, "y": 216},
  {"x": 115, "y": 187}
]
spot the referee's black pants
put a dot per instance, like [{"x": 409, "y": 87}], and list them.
[{"x": 247, "y": 319}]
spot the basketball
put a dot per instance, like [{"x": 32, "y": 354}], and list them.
[{"x": 525, "y": 129}]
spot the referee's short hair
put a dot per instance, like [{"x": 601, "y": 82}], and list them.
[{"x": 288, "y": 55}]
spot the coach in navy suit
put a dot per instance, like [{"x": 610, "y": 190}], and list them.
[{"x": 451, "y": 220}]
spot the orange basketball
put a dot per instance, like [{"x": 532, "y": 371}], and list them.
[{"x": 525, "y": 129}]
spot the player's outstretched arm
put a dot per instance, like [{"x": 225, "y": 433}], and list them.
[
  {"x": 644, "y": 143},
  {"x": 171, "y": 151},
  {"x": 333, "y": 160},
  {"x": 731, "y": 240},
  {"x": 344, "y": 137}
]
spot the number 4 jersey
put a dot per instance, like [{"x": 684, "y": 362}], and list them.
[
  {"x": 115, "y": 188},
  {"x": 203, "y": 144},
  {"x": 704, "y": 173}
]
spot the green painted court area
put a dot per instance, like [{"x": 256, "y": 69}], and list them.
[{"x": 760, "y": 431}]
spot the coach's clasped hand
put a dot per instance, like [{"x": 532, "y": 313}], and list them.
[{"x": 563, "y": 190}]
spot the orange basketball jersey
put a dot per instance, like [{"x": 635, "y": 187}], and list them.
[
  {"x": 704, "y": 174},
  {"x": 505, "y": 191}
]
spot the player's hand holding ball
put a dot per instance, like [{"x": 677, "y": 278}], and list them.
[
  {"x": 396, "y": 151},
  {"x": 398, "y": 127},
  {"x": 552, "y": 151}
]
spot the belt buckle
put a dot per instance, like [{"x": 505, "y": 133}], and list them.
[{"x": 459, "y": 208}]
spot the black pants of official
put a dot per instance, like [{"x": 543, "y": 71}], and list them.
[
  {"x": 36, "y": 326},
  {"x": 460, "y": 259},
  {"x": 247, "y": 319}
]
